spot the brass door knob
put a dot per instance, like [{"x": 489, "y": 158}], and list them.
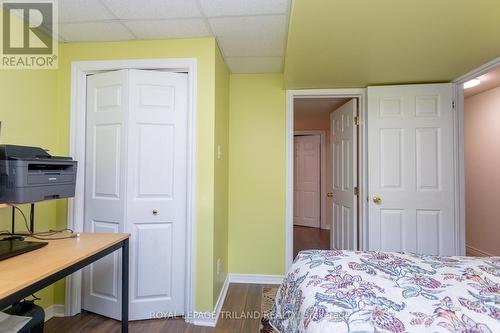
[
  {"x": 329, "y": 194},
  {"x": 155, "y": 212},
  {"x": 377, "y": 200}
]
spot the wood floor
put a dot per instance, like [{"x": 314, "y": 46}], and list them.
[
  {"x": 305, "y": 238},
  {"x": 241, "y": 301}
]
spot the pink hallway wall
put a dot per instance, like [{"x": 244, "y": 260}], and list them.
[
  {"x": 312, "y": 121},
  {"x": 317, "y": 121},
  {"x": 482, "y": 172}
]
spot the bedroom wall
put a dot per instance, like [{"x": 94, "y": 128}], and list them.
[
  {"x": 37, "y": 116},
  {"x": 482, "y": 179},
  {"x": 257, "y": 174},
  {"x": 312, "y": 121},
  {"x": 221, "y": 173}
]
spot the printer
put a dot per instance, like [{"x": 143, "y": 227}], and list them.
[{"x": 30, "y": 174}]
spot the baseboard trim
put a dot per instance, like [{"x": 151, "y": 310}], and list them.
[
  {"x": 221, "y": 298},
  {"x": 209, "y": 319},
  {"x": 55, "y": 310},
  {"x": 256, "y": 278},
  {"x": 475, "y": 252},
  {"x": 204, "y": 319}
]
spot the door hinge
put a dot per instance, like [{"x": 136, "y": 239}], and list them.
[
  {"x": 356, "y": 191},
  {"x": 453, "y": 104},
  {"x": 356, "y": 120}
]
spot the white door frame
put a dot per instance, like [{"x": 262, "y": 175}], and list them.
[
  {"x": 79, "y": 72},
  {"x": 360, "y": 94},
  {"x": 323, "y": 184},
  {"x": 459, "y": 143}
]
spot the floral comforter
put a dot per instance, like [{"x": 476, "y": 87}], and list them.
[{"x": 344, "y": 291}]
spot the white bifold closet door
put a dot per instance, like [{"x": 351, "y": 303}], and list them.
[
  {"x": 411, "y": 169},
  {"x": 135, "y": 182}
]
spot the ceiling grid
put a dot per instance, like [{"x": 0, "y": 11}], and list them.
[{"x": 251, "y": 33}]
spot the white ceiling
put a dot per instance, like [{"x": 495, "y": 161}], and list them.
[{"x": 250, "y": 33}]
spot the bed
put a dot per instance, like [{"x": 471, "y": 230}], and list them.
[{"x": 346, "y": 291}]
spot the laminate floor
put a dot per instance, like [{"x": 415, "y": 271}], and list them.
[
  {"x": 305, "y": 238},
  {"x": 239, "y": 315}
]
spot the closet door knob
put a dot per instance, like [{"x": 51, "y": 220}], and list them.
[
  {"x": 155, "y": 212},
  {"x": 377, "y": 200}
]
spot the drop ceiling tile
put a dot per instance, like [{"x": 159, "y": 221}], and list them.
[
  {"x": 94, "y": 32},
  {"x": 266, "y": 45},
  {"x": 243, "y": 7},
  {"x": 82, "y": 10},
  {"x": 255, "y": 64},
  {"x": 151, "y": 9},
  {"x": 163, "y": 29},
  {"x": 249, "y": 26},
  {"x": 250, "y": 36}
]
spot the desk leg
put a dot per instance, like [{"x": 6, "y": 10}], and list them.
[{"x": 125, "y": 286}]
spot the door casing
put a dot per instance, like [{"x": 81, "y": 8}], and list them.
[
  {"x": 360, "y": 94},
  {"x": 79, "y": 72}
]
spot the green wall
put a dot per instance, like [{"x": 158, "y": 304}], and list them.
[
  {"x": 257, "y": 174},
  {"x": 28, "y": 115},
  {"x": 221, "y": 176}
]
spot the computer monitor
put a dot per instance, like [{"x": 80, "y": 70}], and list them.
[{"x": 10, "y": 248}]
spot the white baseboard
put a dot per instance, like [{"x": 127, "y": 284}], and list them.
[
  {"x": 205, "y": 319},
  {"x": 221, "y": 298},
  {"x": 255, "y": 278},
  {"x": 475, "y": 252},
  {"x": 209, "y": 319},
  {"x": 55, "y": 310}
]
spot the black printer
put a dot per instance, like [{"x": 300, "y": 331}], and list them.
[{"x": 30, "y": 174}]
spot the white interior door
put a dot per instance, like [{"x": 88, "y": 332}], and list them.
[
  {"x": 105, "y": 176},
  {"x": 136, "y": 182},
  {"x": 156, "y": 192},
  {"x": 307, "y": 181},
  {"x": 344, "y": 164},
  {"x": 411, "y": 170}
]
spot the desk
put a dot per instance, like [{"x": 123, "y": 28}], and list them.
[{"x": 27, "y": 273}]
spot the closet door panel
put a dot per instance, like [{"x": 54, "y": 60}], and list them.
[
  {"x": 105, "y": 184},
  {"x": 157, "y": 191}
]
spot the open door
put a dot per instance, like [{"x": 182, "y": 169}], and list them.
[
  {"x": 411, "y": 169},
  {"x": 343, "y": 129}
]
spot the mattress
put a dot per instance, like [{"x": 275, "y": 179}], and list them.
[{"x": 346, "y": 291}]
